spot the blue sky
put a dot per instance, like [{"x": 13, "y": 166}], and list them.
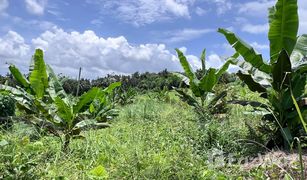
[{"x": 124, "y": 36}]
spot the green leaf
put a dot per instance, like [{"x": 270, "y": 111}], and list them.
[
  {"x": 246, "y": 51},
  {"x": 195, "y": 87},
  {"x": 271, "y": 15},
  {"x": 298, "y": 84},
  {"x": 184, "y": 78},
  {"x": 208, "y": 81},
  {"x": 3, "y": 142},
  {"x": 299, "y": 113},
  {"x": 213, "y": 102},
  {"x": 185, "y": 97},
  {"x": 85, "y": 123},
  {"x": 99, "y": 171},
  {"x": 287, "y": 136},
  {"x": 85, "y": 100},
  {"x": 92, "y": 108},
  {"x": 55, "y": 87},
  {"x": 111, "y": 87},
  {"x": 281, "y": 71},
  {"x": 186, "y": 66},
  {"x": 13, "y": 90},
  {"x": 283, "y": 19},
  {"x": 64, "y": 110},
  {"x": 252, "y": 85},
  {"x": 19, "y": 77},
  {"x": 38, "y": 77},
  {"x": 299, "y": 53},
  {"x": 203, "y": 59}
]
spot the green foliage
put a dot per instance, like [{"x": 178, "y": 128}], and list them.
[
  {"x": 246, "y": 51},
  {"x": 43, "y": 97},
  {"x": 285, "y": 73},
  {"x": 99, "y": 172},
  {"x": 70, "y": 85},
  {"x": 201, "y": 87},
  {"x": 141, "y": 82},
  {"x": 283, "y": 18},
  {"x": 7, "y": 104},
  {"x": 163, "y": 145},
  {"x": 125, "y": 97},
  {"x": 38, "y": 75},
  {"x": 102, "y": 107}
]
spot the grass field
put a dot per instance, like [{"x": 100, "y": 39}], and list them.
[{"x": 150, "y": 139}]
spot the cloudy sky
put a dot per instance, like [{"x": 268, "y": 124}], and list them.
[{"x": 124, "y": 36}]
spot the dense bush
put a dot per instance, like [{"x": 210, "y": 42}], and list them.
[
  {"x": 7, "y": 108},
  {"x": 7, "y": 105}
]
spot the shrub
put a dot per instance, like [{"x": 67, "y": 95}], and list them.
[
  {"x": 7, "y": 104},
  {"x": 7, "y": 108}
]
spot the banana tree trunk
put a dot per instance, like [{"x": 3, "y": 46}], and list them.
[{"x": 66, "y": 142}]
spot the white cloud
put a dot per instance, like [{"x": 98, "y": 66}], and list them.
[
  {"x": 29, "y": 24},
  {"x": 13, "y": 49},
  {"x": 303, "y": 16},
  {"x": 97, "y": 22},
  {"x": 256, "y": 8},
  {"x": 177, "y": 8},
  {"x": 214, "y": 60},
  {"x": 36, "y": 7},
  {"x": 67, "y": 51},
  {"x": 260, "y": 46},
  {"x": 142, "y": 12},
  {"x": 3, "y": 5},
  {"x": 186, "y": 34},
  {"x": 259, "y": 8},
  {"x": 13, "y": 45},
  {"x": 222, "y": 6},
  {"x": 255, "y": 28},
  {"x": 200, "y": 11}
]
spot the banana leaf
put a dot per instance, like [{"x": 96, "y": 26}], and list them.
[
  {"x": 85, "y": 100},
  {"x": 64, "y": 110},
  {"x": 299, "y": 53},
  {"x": 246, "y": 51},
  {"x": 281, "y": 71},
  {"x": 283, "y": 20},
  {"x": 19, "y": 77},
  {"x": 38, "y": 76}
]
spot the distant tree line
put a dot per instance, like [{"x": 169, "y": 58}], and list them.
[{"x": 141, "y": 82}]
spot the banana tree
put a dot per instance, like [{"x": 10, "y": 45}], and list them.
[
  {"x": 71, "y": 116},
  {"x": 282, "y": 80},
  {"x": 30, "y": 90},
  {"x": 76, "y": 114},
  {"x": 102, "y": 107},
  {"x": 48, "y": 107},
  {"x": 203, "y": 86}
]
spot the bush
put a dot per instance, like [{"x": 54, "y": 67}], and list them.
[
  {"x": 7, "y": 104},
  {"x": 7, "y": 108}
]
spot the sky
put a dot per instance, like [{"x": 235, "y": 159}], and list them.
[{"x": 125, "y": 36}]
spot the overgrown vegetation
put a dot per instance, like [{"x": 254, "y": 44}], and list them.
[
  {"x": 162, "y": 128},
  {"x": 48, "y": 107},
  {"x": 282, "y": 82},
  {"x": 201, "y": 88}
]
